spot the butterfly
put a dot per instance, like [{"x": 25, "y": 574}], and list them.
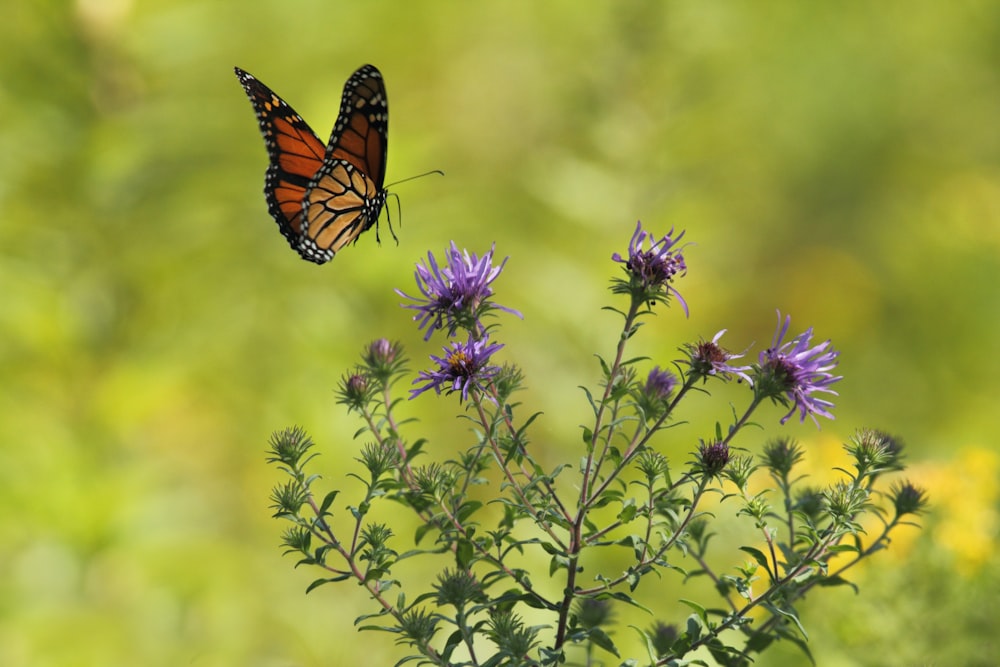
[{"x": 324, "y": 197}]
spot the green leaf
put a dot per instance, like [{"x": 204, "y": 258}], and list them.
[
  {"x": 624, "y": 597},
  {"x": 421, "y": 531},
  {"x": 628, "y": 512},
  {"x": 558, "y": 563},
  {"x": 550, "y": 548},
  {"x": 601, "y": 638},
  {"x": 647, "y": 641},
  {"x": 701, "y": 611},
  {"x": 467, "y": 509},
  {"x": 590, "y": 399},
  {"x": 327, "y": 501},
  {"x": 790, "y": 616},
  {"x": 693, "y": 628},
  {"x": 758, "y": 556},
  {"x": 321, "y": 582},
  {"x": 838, "y": 581},
  {"x": 527, "y": 423},
  {"x": 412, "y": 452},
  {"x": 453, "y": 640},
  {"x": 464, "y": 554}
]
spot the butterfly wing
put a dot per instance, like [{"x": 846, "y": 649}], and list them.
[
  {"x": 340, "y": 204},
  {"x": 361, "y": 132},
  {"x": 296, "y": 155},
  {"x": 346, "y": 196}
]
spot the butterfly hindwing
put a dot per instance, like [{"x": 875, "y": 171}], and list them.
[
  {"x": 340, "y": 204},
  {"x": 324, "y": 197}
]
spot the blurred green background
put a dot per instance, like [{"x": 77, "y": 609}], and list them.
[{"x": 840, "y": 162}]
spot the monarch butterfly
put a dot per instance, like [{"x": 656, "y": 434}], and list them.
[{"x": 324, "y": 197}]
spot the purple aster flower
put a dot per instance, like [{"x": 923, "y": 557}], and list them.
[
  {"x": 710, "y": 358},
  {"x": 799, "y": 371},
  {"x": 652, "y": 269},
  {"x": 464, "y": 366},
  {"x": 660, "y": 384},
  {"x": 654, "y": 398},
  {"x": 713, "y": 457},
  {"x": 455, "y": 295}
]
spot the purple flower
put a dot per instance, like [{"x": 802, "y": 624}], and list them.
[
  {"x": 381, "y": 351},
  {"x": 799, "y": 371},
  {"x": 465, "y": 366},
  {"x": 653, "y": 400},
  {"x": 710, "y": 358},
  {"x": 713, "y": 457},
  {"x": 660, "y": 384},
  {"x": 455, "y": 295},
  {"x": 652, "y": 269}
]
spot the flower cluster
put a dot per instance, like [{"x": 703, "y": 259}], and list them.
[
  {"x": 457, "y": 296},
  {"x": 625, "y": 489}
]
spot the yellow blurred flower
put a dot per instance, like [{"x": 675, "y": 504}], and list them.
[{"x": 964, "y": 495}]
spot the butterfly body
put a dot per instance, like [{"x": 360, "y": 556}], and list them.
[{"x": 324, "y": 196}]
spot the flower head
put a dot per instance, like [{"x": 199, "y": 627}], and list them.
[
  {"x": 464, "y": 366},
  {"x": 382, "y": 359},
  {"x": 707, "y": 358},
  {"x": 354, "y": 390},
  {"x": 794, "y": 372},
  {"x": 455, "y": 295},
  {"x": 381, "y": 351},
  {"x": 908, "y": 498},
  {"x": 652, "y": 269},
  {"x": 654, "y": 398},
  {"x": 663, "y": 636},
  {"x": 780, "y": 456},
  {"x": 713, "y": 457},
  {"x": 458, "y": 589},
  {"x": 875, "y": 453},
  {"x": 660, "y": 384},
  {"x": 594, "y": 612}
]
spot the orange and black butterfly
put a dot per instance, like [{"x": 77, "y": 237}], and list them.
[{"x": 324, "y": 197}]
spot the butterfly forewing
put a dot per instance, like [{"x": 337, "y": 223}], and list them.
[
  {"x": 295, "y": 153},
  {"x": 362, "y": 125},
  {"x": 324, "y": 197}
]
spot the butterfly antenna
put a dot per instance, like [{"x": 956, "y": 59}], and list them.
[
  {"x": 399, "y": 208},
  {"x": 410, "y": 178}
]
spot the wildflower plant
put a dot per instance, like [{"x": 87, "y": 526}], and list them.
[{"x": 525, "y": 548}]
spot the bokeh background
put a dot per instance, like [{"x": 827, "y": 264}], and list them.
[{"x": 840, "y": 162}]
